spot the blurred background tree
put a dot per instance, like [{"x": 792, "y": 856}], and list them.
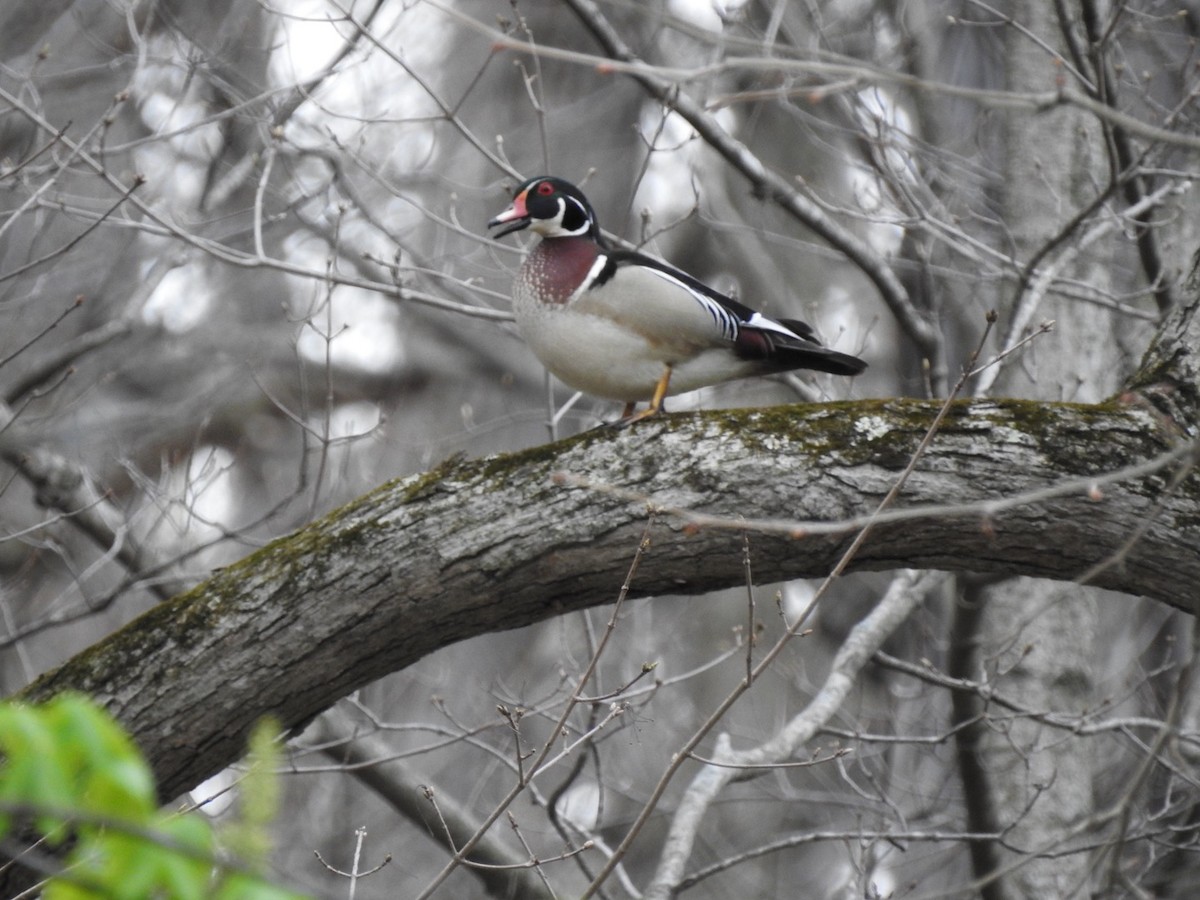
[{"x": 244, "y": 279}]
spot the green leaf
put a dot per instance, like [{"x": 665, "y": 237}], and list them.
[
  {"x": 34, "y": 773},
  {"x": 258, "y": 798},
  {"x": 69, "y": 758},
  {"x": 246, "y": 887},
  {"x": 184, "y": 878},
  {"x": 114, "y": 779}
]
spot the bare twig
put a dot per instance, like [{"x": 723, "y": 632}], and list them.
[
  {"x": 369, "y": 759},
  {"x": 540, "y": 763},
  {"x": 156, "y": 223},
  {"x": 360, "y": 835},
  {"x": 70, "y": 245},
  {"x": 837, "y": 67},
  {"x": 535, "y": 862},
  {"x": 905, "y": 593}
]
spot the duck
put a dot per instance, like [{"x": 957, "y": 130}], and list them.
[{"x": 619, "y": 324}]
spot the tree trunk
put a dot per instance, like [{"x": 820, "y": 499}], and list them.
[{"x": 1032, "y": 638}]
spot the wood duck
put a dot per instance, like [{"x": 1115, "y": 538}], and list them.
[{"x": 624, "y": 326}]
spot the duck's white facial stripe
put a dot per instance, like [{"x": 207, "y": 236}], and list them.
[
  {"x": 554, "y": 227},
  {"x": 590, "y": 278},
  {"x": 585, "y": 218}
]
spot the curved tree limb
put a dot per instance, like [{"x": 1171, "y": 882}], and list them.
[{"x": 492, "y": 544}]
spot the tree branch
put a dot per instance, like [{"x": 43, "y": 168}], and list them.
[{"x": 498, "y": 543}]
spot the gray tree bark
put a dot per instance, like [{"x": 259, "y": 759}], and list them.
[{"x": 498, "y": 543}]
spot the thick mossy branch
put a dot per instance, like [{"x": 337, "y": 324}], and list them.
[
  {"x": 1169, "y": 376},
  {"x": 477, "y": 546}
]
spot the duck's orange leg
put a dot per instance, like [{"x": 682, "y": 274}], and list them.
[{"x": 656, "y": 401}]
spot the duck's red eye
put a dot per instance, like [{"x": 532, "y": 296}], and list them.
[{"x": 545, "y": 188}]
